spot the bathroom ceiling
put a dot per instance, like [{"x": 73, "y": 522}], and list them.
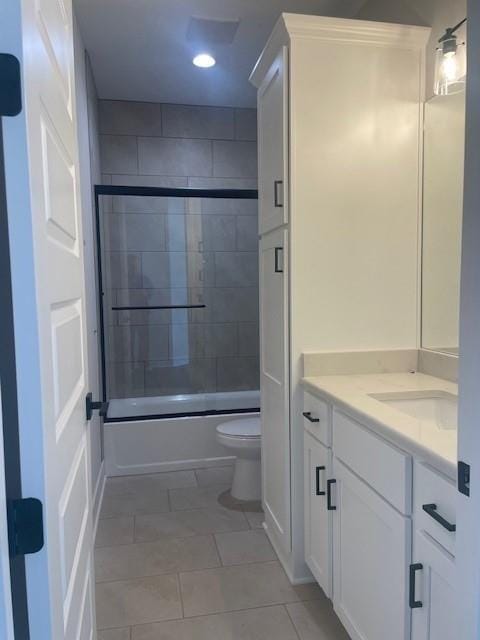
[{"x": 143, "y": 49}]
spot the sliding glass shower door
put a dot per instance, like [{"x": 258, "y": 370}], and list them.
[{"x": 180, "y": 303}]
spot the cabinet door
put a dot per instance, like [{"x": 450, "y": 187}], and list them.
[
  {"x": 274, "y": 385},
  {"x": 318, "y": 520},
  {"x": 272, "y": 145},
  {"x": 435, "y": 589},
  {"x": 372, "y": 546}
]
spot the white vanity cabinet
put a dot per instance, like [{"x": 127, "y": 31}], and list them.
[
  {"x": 433, "y": 592},
  {"x": 386, "y": 561},
  {"x": 318, "y": 519}
]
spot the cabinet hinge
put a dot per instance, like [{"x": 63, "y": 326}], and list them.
[{"x": 25, "y": 526}]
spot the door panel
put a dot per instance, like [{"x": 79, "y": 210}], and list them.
[
  {"x": 371, "y": 555},
  {"x": 272, "y": 145},
  {"x": 60, "y": 299},
  {"x": 274, "y": 383},
  {"x": 318, "y": 521},
  {"x": 435, "y": 588}
]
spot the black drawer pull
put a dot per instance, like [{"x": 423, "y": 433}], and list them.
[
  {"x": 276, "y": 197},
  {"x": 308, "y": 416},
  {"x": 431, "y": 509},
  {"x": 278, "y": 263},
  {"x": 318, "y": 492},
  {"x": 414, "y": 604},
  {"x": 330, "y": 506}
]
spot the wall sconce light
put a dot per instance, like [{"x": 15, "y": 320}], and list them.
[{"x": 449, "y": 71}]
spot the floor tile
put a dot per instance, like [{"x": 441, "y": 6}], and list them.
[
  {"x": 196, "y": 498},
  {"x": 214, "y": 476},
  {"x": 268, "y": 623},
  {"x": 153, "y": 558},
  {"x": 129, "y": 504},
  {"x": 141, "y": 601},
  {"x": 235, "y": 588},
  {"x": 255, "y": 520},
  {"x": 114, "y": 634},
  {"x": 182, "y": 524},
  {"x": 242, "y": 547},
  {"x": 120, "y": 485},
  {"x": 113, "y": 531},
  {"x": 316, "y": 620}
]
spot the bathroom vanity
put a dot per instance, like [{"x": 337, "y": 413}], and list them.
[{"x": 380, "y": 492}]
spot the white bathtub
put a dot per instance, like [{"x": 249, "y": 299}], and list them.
[
  {"x": 181, "y": 404},
  {"x": 167, "y": 444}
]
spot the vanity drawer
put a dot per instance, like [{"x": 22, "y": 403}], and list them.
[
  {"x": 431, "y": 488},
  {"x": 316, "y": 418},
  {"x": 384, "y": 467}
]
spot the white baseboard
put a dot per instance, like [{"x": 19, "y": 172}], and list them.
[{"x": 97, "y": 498}]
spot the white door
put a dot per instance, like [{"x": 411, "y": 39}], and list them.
[
  {"x": 318, "y": 521},
  {"x": 50, "y": 338},
  {"x": 6, "y": 619},
  {"x": 468, "y": 507},
  {"x": 273, "y": 145},
  {"x": 371, "y": 543},
  {"x": 436, "y": 618},
  {"x": 274, "y": 385}
]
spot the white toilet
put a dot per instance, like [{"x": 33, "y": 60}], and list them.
[{"x": 242, "y": 438}]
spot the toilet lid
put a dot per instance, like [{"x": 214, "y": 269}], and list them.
[{"x": 244, "y": 428}]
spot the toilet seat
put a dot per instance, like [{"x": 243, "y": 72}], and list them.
[{"x": 243, "y": 428}]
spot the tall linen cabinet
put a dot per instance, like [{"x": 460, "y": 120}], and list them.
[{"x": 339, "y": 138}]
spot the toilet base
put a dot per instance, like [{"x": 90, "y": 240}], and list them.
[{"x": 247, "y": 479}]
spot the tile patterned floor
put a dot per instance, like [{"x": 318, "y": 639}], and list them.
[{"x": 172, "y": 564}]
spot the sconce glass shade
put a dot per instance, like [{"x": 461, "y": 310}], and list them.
[{"x": 449, "y": 68}]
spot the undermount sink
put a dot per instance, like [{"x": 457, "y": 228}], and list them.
[{"x": 439, "y": 408}]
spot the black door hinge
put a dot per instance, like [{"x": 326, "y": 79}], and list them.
[
  {"x": 10, "y": 85},
  {"x": 25, "y": 526},
  {"x": 464, "y": 478},
  {"x": 92, "y": 405}
]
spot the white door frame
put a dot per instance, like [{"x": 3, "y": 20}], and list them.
[{"x": 468, "y": 517}]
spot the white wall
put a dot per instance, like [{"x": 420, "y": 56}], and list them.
[
  {"x": 89, "y": 162},
  {"x": 438, "y": 14}
]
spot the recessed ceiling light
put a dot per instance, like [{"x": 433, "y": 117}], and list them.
[{"x": 204, "y": 60}]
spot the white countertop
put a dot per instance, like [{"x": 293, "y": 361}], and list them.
[{"x": 350, "y": 393}]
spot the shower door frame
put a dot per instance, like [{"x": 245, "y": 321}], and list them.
[{"x": 166, "y": 192}]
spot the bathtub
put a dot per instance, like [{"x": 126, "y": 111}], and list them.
[{"x": 150, "y": 435}]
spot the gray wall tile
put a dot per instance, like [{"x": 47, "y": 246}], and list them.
[
  {"x": 139, "y": 232},
  {"x": 235, "y": 304},
  {"x": 196, "y": 182},
  {"x": 177, "y": 269},
  {"x": 200, "y": 233},
  {"x": 248, "y": 339},
  {"x": 174, "y": 157},
  {"x": 147, "y": 204},
  {"x": 119, "y": 154},
  {"x": 236, "y": 159},
  {"x": 181, "y": 121},
  {"x": 236, "y": 269},
  {"x": 130, "y": 118},
  {"x": 247, "y": 233},
  {"x": 124, "y": 269},
  {"x": 150, "y": 298},
  {"x": 138, "y": 343},
  {"x": 237, "y": 374},
  {"x": 221, "y": 340},
  {"x": 125, "y": 380},
  {"x": 173, "y": 377},
  {"x": 245, "y": 124},
  {"x": 150, "y": 181},
  {"x": 222, "y": 206}
]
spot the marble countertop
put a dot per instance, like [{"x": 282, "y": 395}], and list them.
[{"x": 351, "y": 393}]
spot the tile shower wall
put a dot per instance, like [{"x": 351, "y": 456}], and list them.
[{"x": 164, "y": 251}]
